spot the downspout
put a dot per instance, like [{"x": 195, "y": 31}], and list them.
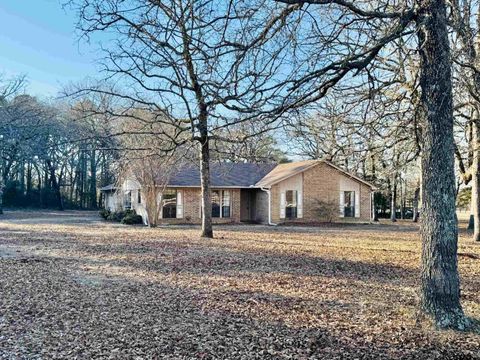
[{"x": 269, "y": 205}]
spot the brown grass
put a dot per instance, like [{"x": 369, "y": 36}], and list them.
[{"x": 74, "y": 287}]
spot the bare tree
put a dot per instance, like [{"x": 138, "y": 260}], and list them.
[
  {"x": 198, "y": 65},
  {"x": 142, "y": 162},
  {"x": 440, "y": 280},
  {"x": 466, "y": 22}
]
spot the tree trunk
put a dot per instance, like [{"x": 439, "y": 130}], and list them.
[
  {"x": 402, "y": 201},
  {"x": 1, "y": 197},
  {"x": 29, "y": 178},
  {"x": 393, "y": 205},
  {"x": 475, "y": 204},
  {"x": 93, "y": 180},
  {"x": 416, "y": 199},
  {"x": 207, "y": 230},
  {"x": 55, "y": 185},
  {"x": 440, "y": 280},
  {"x": 21, "y": 175}
]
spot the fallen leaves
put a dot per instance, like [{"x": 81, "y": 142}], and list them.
[{"x": 75, "y": 287}]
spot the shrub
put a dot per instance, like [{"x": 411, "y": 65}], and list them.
[
  {"x": 125, "y": 217},
  {"x": 326, "y": 210},
  {"x": 116, "y": 216},
  {"x": 104, "y": 213},
  {"x": 131, "y": 219}
]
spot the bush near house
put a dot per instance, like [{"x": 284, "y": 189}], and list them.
[
  {"x": 128, "y": 217},
  {"x": 104, "y": 213},
  {"x": 132, "y": 218},
  {"x": 326, "y": 210}
]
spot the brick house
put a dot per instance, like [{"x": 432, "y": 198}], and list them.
[{"x": 255, "y": 193}]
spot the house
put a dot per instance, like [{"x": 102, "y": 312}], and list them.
[{"x": 257, "y": 193}]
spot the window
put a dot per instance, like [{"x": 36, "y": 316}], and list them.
[
  {"x": 127, "y": 200},
  {"x": 291, "y": 204},
  {"x": 349, "y": 203},
  {"x": 139, "y": 196},
  {"x": 221, "y": 203},
  {"x": 226, "y": 204},
  {"x": 216, "y": 203},
  {"x": 169, "y": 204}
]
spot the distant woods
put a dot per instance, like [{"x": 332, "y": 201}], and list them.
[{"x": 51, "y": 156}]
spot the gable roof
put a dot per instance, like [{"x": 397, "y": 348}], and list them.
[
  {"x": 284, "y": 171},
  {"x": 222, "y": 175},
  {"x": 244, "y": 175}
]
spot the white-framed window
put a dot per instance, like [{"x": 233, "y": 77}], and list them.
[
  {"x": 172, "y": 204},
  {"x": 291, "y": 202},
  {"x": 221, "y": 203},
  {"x": 349, "y": 203},
  {"x": 169, "y": 204},
  {"x": 127, "y": 200}
]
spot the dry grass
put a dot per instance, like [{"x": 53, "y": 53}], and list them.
[{"x": 74, "y": 287}]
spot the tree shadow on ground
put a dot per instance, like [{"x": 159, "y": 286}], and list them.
[{"x": 51, "y": 311}]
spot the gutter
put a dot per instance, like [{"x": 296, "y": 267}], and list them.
[{"x": 269, "y": 205}]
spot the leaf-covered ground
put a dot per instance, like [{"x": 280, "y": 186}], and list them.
[{"x": 72, "y": 286}]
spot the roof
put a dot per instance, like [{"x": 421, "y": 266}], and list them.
[
  {"x": 284, "y": 171},
  {"x": 109, "y": 187},
  {"x": 243, "y": 175},
  {"x": 222, "y": 175}
]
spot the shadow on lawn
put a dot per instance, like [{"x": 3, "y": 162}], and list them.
[
  {"x": 167, "y": 257},
  {"x": 172, "y": 322}
]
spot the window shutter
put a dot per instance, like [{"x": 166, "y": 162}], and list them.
[
  {"x": 342, "y": 204},
  {"x": 282, "y": 205},
  {"x": 357, "y": 204},
  {"x": 160, "y": 204},
  {"x": 299, "y": 204},
  {"x": 179, "y": 205}
]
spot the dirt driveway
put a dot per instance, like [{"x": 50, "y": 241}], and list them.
[{"x": 75, "y": 287}]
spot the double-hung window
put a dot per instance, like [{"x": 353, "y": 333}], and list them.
[
  {"x": 349, "y": 203},
  {"x": 291, "y": 201},
  {"x": 221, "y": 203},
  {"x": 169, "y": 204},
  {"x": 127, "y": 200}
]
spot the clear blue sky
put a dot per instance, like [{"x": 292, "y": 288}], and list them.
[{"x": 37, "y": 38}]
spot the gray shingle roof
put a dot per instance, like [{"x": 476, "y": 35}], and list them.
[{"x": 222, "y": 174}]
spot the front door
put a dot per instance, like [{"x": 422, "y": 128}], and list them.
[{"x": 246, "y": 205}]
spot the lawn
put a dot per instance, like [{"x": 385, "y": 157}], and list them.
[{"x": 73, "y": 286}]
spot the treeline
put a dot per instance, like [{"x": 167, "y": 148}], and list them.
[{"x": 51, "y": 155}]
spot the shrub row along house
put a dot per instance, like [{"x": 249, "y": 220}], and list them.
[{"x": 304, "y": 191}]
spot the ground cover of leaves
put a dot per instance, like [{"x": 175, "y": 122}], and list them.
[{"x": 74, "y": 287}]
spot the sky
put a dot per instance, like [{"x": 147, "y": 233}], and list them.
[{"x": 38, "y": 39}]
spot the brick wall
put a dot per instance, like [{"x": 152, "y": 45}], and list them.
[
  {"x": 191, "y": 208},
  {"x": 322, "y": 182}
]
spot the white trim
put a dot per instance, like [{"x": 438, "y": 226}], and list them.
[
  {"x": 179, "y": 212},
  {"x": 346, "y": 173},
  {"x": 282, "y": 205},
  {"x": 269, "y": 194},
  {"x": 299, "y": 204},
  {"x": 342, "y": 203},
  {"x": 357, "y": 203}
]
